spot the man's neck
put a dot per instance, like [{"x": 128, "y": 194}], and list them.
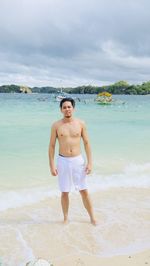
[{"x": 68, "y": 119}]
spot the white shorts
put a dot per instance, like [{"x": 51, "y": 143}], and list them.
[{"x": 71, "y": 170}]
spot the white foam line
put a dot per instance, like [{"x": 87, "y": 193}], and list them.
[
  {"x": 16, "y": 199},
  {"x": 27, "y": 250},
  {"x": 132, "y": 176}
]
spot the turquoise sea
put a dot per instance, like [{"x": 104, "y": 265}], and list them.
[
  {"x": 120, "y": 141},
  {"x": 119, "y": 136}
]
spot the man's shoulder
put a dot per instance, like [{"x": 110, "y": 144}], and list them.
[
  {"x": 81, "y": 122},
  {"x": 57, "y": 123}
]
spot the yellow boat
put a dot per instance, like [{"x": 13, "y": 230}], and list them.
[{"x": 104, "y": 98}]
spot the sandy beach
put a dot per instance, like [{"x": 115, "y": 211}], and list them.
[
  {"x": 36, "y": 231},
  {"x": 138, "y": 259}
]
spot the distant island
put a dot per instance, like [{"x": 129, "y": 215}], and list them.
[{"x": 120, "y": 87}]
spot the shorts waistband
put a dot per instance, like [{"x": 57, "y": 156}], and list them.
[{"x": 70, "y": 158}]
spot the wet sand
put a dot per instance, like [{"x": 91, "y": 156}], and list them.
[{"x": 121, "y": 237}]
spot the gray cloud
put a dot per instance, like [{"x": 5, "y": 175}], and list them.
[{"x": 62, "y": 42}]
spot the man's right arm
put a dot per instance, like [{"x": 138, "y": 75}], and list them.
[{"x": 51, "y": 150}]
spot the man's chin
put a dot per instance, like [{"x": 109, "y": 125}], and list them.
[{"x": 67, "y": 116}]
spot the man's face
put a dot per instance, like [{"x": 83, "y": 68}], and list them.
[{"x": 67, "y": 109}]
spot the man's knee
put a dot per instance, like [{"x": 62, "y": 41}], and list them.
[
  {"x": 84, "y": 193},
  {"x": 64, "y": 195}
]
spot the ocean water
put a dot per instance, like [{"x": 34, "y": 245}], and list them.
[{"x": 119, "y": 136}]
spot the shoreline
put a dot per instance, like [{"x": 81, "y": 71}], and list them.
[{"x": 36, "y": 231}]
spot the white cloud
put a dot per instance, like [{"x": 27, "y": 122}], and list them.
[{"x": 62, "y": 42}]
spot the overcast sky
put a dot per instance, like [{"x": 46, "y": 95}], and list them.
[{"x": 74, "y": 42}]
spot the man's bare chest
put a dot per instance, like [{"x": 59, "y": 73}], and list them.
[{"x": 69, "y": 131}]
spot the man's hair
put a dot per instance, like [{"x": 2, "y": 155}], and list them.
[{"x": 67, "y": 100}]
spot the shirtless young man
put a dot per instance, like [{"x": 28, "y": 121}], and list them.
[{"x": 70, "y": 163}]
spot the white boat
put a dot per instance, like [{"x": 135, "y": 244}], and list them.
[{"x": 63, "y": 95}]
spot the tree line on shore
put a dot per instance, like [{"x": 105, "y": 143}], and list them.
[{"x": 120, "y": 87}]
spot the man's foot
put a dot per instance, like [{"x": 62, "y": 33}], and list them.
[
  {"x": 66, "y": 221},
  {"x": 94, "y": 222}
]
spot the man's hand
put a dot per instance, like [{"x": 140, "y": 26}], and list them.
[
  {"x": 54, "y": 171},
  {"x": 88, "y": 169}
]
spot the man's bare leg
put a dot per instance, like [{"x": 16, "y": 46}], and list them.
[
  {"x": 88, "y": 205},
  {"x": 65, "y": 205}
]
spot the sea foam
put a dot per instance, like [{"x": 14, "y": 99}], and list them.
[
  {"x": 22, "y": 197},
  {"x": 132, "y": 176}
]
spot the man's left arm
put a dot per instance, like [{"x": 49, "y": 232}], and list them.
[{"x": 87, "y": 148}]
